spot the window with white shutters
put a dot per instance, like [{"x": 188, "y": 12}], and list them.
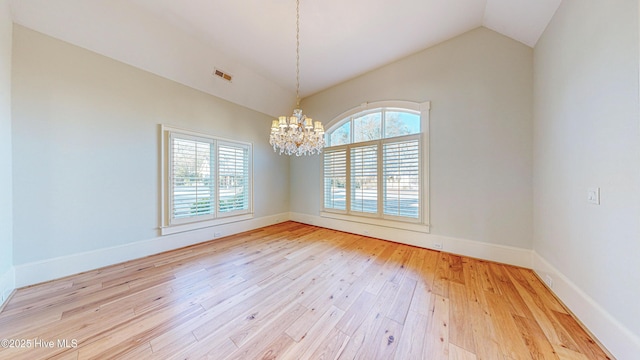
[
  {"x": 335, "y": 179},
  {"x": 401, "y": 174},
  {"x": 205, "y": 180},
  {"x": 192, "y": 186},
  {"x": 233, "y": 178},
  {"x": 364, "y": 179},
  {"x": 374, "y": 166}
]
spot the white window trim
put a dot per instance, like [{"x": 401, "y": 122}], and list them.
[
  {"x": 166, "y": 228},
  {"x": 419, "y": 225}
]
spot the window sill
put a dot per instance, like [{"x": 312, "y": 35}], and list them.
[
  {"x": 174, "y": 229},
  {"x": 417, "y": 227}
]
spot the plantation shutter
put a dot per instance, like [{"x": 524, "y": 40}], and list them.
[
  {"x": 364, "y": 179},
  {"x": 192, "y": 172},
  {"x": 401, "y": 174},
  {"x": 233, "y": 178},
  {"x": 377, "y": 160},
  {"x": 335, "y": 179}
]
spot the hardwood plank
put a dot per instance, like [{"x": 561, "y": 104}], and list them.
[
  {"x": 400, "y": 306},
  {"x": 385, "y": 268},
  {"x": 486, "y": 277},
  {"x": 366, "y": 275},
  {"x": 383, "y": 342},
  {"x": 332, "y": 345},
  {"x": 314, "y": 336},
  {"x": 411, "y": 343},
  {"x": 486, "y": 342},
  {"x": 437, "y": 336},
  {"x": 317, "y": 305},
  {"x": 251, "y": 325},
  {"x": 542, "y": 312},
  {"x": 233, "y": 309},
  {"x": 414, "y": 265},
  {"x": 67, "y": 355},
  {"x": 511, "y": 342},
  {"x": 272, "y": 337},
  {"x": 585, "y": 343},
  {"x": 357, "y": 315},
  {"x": 215, "y": 348},
  {"x": 568, "y": 354},
  {"x": 506, "y": 287},
  {"x": 205, "y": 323},
  {"x": 539, "y": 347},
  {"x": 460, "y": 334},
  {"x": 458, "y": 353},
  {"x": 363, "y": 338},
  {"x": 422, "y": 297},
  {"x": 547, "y": 297},
  {"x": 442, "y": 275},
  {"x": 401, "y": 264},
  {"x": 127, "y": 336},
  {"x": 456, "y": 271},
  {"x": 297, "y": 291}
]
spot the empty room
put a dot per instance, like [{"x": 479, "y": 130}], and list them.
[{"x": 298, "y": 179}]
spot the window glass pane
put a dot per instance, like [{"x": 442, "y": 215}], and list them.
[
  {"x": 364, "y": 179},
  {"x": 367, "y": 127},
  {"x": 335, "y": 180},
  {"x": 398, "y": 123},
  {"x": 341, "y": 135},
  {"x": 193, "y": 186},
  {"x": 401, "y": 174},
  {"x": 233, "y": 178}
]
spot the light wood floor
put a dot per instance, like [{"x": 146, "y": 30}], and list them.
[{"x": 294, "y": 291}]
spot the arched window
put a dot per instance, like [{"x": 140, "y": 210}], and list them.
[
  {"x": 375, "y": 164},
  {"x": 374, "y": 124}
]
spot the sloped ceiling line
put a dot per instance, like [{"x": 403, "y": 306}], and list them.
[{"x": 255, "y": 39}]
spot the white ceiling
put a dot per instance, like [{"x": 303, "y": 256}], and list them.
[{"x": 340, "y": 39}]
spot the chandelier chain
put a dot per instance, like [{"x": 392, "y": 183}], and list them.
[
  {"x": 298, "y": 134},
  {"x": 297, "y": 53}
]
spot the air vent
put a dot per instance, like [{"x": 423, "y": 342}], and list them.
[{"x": 223, "y": 75}]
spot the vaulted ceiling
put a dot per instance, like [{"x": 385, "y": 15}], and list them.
[{"x": 255, "y": 39}]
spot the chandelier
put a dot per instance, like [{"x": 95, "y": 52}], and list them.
[{"x": 297, "y": 134}]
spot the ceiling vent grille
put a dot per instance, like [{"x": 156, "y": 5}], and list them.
[{"x": 223, "y": 75}]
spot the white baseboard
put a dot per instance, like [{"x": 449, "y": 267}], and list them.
[
  {"x": 618, "y": 339},
  {"x": 476, "y": 249},
  {"x": 55, "y": 268},
  {"x": 7, "y": 284}
]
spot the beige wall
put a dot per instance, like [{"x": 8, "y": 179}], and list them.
[
  {"x": 586, "y": 136},
  {"x": 86, "y": 148},
  {"x": 480, "y": 88},
  {"x": 6, "y": 221}
]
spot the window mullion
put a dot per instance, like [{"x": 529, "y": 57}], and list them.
[
  {"x": 348, "y": 179},
  {"x": 170, "y": 180},
  {"x": 351, "y": 135},
  {"x": 383, "y": 124},
  {"x": 215, "y": 182},
  {"x": 379, "y": 170}
]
